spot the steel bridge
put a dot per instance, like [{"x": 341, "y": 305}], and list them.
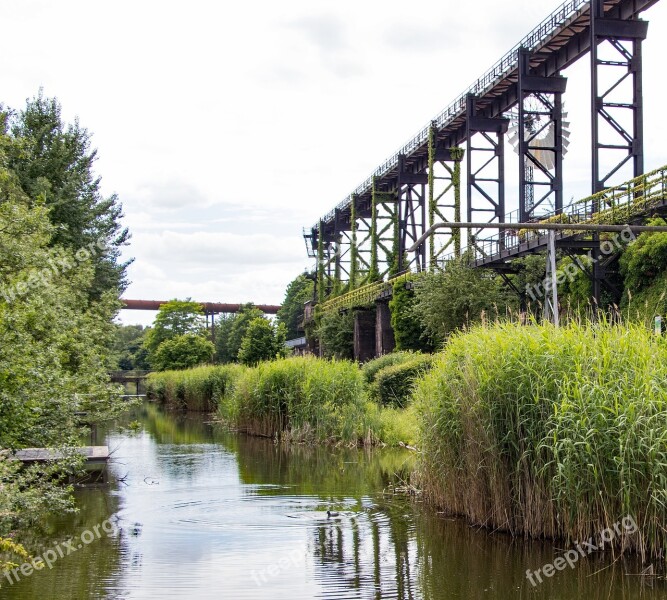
[
  {"x": 210, "y": 308},
  {"x": 371, "y": 237}
]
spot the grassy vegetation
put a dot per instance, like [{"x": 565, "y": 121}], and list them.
[
  {"x": 549, "y": 432},
  {"x": 393, "y": 385},
  {"x": 198, "y": 389},
  {"x": 644, "y": 305},
  {"x": 300, "y": 399}
]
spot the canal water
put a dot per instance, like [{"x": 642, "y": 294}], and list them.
[{"x": 200, "y": 513}]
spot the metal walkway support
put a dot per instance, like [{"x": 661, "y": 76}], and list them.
[
  {"x": 384, "y": 233},
  {"x": 617, "y": 107},
  {"x": 444, "y": 195},
  {"x": 411, "y": 198},
  {"x": 540, "y": 131},
  {"x": 485, "y": 166},
  {"x": 616, "y": 94},
  {"x": 326, "y": 259}
]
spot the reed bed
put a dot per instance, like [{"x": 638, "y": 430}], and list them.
[
  {"x": 544, "y": 431},
  {"x": 297, "y": 399},
  {"x": 200, "y": 389},
  {"x": 302, "y": 398}
]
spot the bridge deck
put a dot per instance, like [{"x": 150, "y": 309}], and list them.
[
  {"x": 632, "y": 202},
  {"x": 556, "y": 43}
]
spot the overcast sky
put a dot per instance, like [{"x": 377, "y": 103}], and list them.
[{"x": 227, "y": 127}]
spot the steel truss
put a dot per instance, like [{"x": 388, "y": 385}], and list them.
[
  {"x": 384, "y": 233},
  {"x": 540, "y": 131},
  {"x": 616, "y": 92},
  {"x": 411, "y": 196},
  {"x": 444, "y": 196},
  {"x": 486, "y": 174}
]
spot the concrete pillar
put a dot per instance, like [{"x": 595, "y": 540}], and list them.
[
  {"x": 364, "y": 335},
  {"x": 384, "y": 334}
]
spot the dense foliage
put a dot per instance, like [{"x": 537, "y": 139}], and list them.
[
  {"x": 335, "y": 332},
  {"x": 290, "y": 314},
  {"x": 262, "y": 341},
  {"x": 448, "y": 300},
  {"x": 409, "y": 332},
  {"x": 127, "y": 351},
  {"x": 58, "y": 294},
  {"x": 230, "y": 330},
  {"x": 393, "y": 385},
  {"x": 183, "y": 352},
  {"x": 644, "y": 259}
]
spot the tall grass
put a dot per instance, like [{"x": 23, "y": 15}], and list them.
[
  {"x": 298, "y": 399},
  {"x": 199, "y": 389},
  {"x": 545, "y": 431},
  {"x": 302, "y": 398}
]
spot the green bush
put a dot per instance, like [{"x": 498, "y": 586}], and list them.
[
  {"x": 372, "y": 367},
  {"x": 408, "y": 331},
  {"x": 643, "y": 306},
  {"x": 393, "y": 385},
  {"x": 546, "y": 431},
  {"x": 182, "y": 352},
  {"x": 335, "y": 332},
  {"x": 644, "y": 259}
]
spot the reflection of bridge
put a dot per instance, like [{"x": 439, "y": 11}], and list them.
[{"x": 372, "y": 235}]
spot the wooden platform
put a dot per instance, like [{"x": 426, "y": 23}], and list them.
[{"x": 95, "y": 455}]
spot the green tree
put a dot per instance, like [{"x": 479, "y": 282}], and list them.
[
  {"x": 408, "y": 331},
  {"x": 183, "y": 352},
  {"x": 54, "y": 163},
  {"x": 54, "y": 340},
  {"x": 298, "y": 292},
  {"x": 335, "y": 332},
  {"x": 175, "y": 318},
  {"x": 458, "y": 296},
  {"x": 230, "y": 332},
  {"x": 127, "y": 350},
  {"x": 259, "y": 342}
]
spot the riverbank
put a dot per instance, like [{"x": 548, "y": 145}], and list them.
[
  {"x": 534, "y": 430},
  {"x": 302, "y": 399}
]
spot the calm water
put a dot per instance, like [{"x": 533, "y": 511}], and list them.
[{"x": 202, "y": 513}]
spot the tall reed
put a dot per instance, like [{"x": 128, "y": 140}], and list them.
[
  {"x": 546, "y": 431},
  {"x": 302, "y": 398},
  {"x": 199, "y": 389}
]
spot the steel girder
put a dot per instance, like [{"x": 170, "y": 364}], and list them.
[
  {"x": 444, "y": 196},
  {"x": 384, "y": 232},
  {"x": 617, "y": 106},
  {"x": 540, "y": 139},
  {"x": 485, "y": 167},
  {"x": 411, "y": 201}
]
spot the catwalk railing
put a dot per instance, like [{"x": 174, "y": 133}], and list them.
[{"x": 613, "y": 206}]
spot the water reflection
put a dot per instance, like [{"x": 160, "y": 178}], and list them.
[{"x": 207, "y": 514}]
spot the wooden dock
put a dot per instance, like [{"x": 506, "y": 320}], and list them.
[{"x": 95, "y": 455}]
